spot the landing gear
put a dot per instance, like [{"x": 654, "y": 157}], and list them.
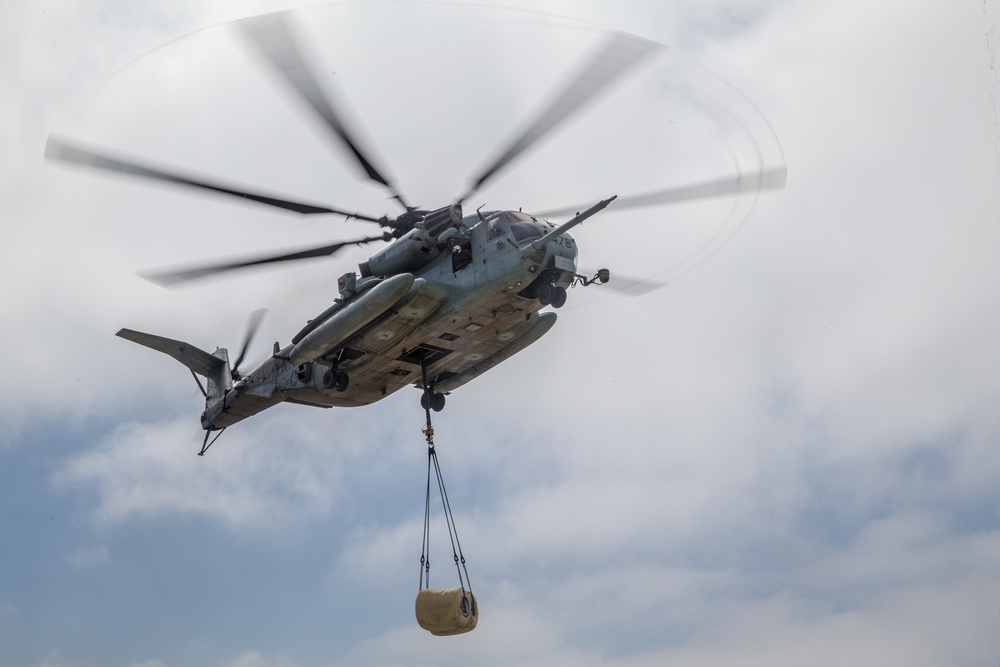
[
  {"x": 334, "y": 379},
  {"x": 549, "y": 294},
  {"x": 429, "y": 399},
  {"x": 206, "y": 444}
]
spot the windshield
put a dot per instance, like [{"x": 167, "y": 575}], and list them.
[
  {"x": 523, "y": 226},
  {"x": 497, "y": 227}
]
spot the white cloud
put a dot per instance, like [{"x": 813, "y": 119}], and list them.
[
  {"x": 88, "y": 557},
  {"x": 53, "y": 659},
  {"x": 257, "y": 659},
  {"x": 150, "y": 470}
]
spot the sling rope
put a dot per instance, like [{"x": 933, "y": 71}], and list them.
[{"x": 456, "y": 545}]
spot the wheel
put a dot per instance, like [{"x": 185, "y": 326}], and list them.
[
  {"x": 334, "y": 379},
  {"x": 433, "y": 401},
  {"x": 559, "y": 298},
  {"x": 546, "y": 292},
  {"x": 342, "y": 381}
]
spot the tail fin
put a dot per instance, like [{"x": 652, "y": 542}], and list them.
[
  {"x": 213, "y": 367},
  {"x": 220, "y": 380}
]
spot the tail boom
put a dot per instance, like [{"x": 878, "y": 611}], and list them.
[{"x": 225, "y": 404}]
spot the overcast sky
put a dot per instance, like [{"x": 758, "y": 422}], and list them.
[{"x": 787, "y": 456}]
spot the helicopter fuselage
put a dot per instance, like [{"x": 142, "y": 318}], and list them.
[{"x": 474, "y": 304}]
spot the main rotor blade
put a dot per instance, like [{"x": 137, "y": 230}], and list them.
[
  {"x": 56, "y": 149},
  {"x": 633, "y": 286},
  {"x": 765, "y": 179},
  {"x": 271, "y": 37},
  {"x": 621, "y": 52},
  {"x": 171, "y": 278},
  {"x": 252, "y": 325}
]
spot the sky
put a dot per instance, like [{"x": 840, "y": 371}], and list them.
[{"x": 785, "y": 456}]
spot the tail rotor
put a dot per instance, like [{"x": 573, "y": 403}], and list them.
[{"x": 252, "y": 325}]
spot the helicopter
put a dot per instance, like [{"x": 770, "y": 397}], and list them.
[{"x": 451, "y": 295}]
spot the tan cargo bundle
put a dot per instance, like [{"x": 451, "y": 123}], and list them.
[{"x": 446, "y": 612}]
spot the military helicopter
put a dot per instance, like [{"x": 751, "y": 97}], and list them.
[{"x": 452, "y": 294}]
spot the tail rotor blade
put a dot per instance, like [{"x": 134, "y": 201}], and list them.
[{"x": 255, "y": 319}]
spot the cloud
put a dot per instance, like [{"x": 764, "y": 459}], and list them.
[
  {"x": 84, "y": 558},
  {"x": 291, "y": 464},
  {"x": 257, "y": 659},
  {"x": 787, "y": 457},
  {"x": 150, "y": 470}
]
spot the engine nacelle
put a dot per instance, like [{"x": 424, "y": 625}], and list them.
[
  {"x": 436, "y": 222},
  {"x": 417, "y": 248},
  {"x": 404, "y": 255}
]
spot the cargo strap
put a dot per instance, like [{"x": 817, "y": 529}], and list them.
[{"x": 456, "y": 546}]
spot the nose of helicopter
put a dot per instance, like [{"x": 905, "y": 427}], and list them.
[{"x": 564, "y": 252}]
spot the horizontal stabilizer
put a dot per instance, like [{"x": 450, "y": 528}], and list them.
[{"x": 197, "y": 360}]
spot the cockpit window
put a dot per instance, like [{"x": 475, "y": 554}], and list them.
[
  {"x": 523, "y": 227},
  {"x": 526, "y": 231},
  {"x": 517, "y": 216},
  {"x": 498, "y": 227}
]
